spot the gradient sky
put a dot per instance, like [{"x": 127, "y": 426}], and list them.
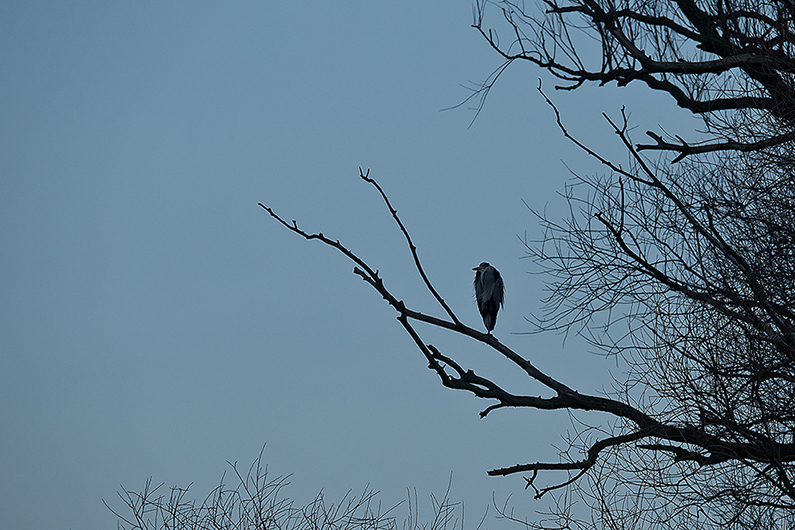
[{"x": 155, "y": 322}]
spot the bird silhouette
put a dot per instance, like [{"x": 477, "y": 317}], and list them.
[{"x": 489, "y": 293}]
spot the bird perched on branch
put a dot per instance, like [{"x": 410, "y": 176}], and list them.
[{"x": 489, "y": 293}]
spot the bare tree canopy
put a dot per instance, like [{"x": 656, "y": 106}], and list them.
[
  {"x": 257, "y": 501},
  {"x": 730, "y": 62},
  {"x": 681, "y": 263}
]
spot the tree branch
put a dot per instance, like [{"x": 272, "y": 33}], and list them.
[
  {"x": 412, "y": 247},
  {"x": 565, "y": 398},
  {"x": 684, "y": 149}
]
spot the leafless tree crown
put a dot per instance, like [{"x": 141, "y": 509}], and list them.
[
  {"x": 256, "y": 501},
  {"x": 730, "y": 62},
  {"x": 681, "y": 262}
]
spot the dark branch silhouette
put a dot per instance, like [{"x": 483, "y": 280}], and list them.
[
  {"x": 712, "y": 449},
  {"x": 254, "y": 500},
  {"x": 710, "y": 57},
  {"x": 682, "y": 267}
]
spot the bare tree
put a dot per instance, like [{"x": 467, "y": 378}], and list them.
[
  {"x": 681, "y": 263},
  {"x": 254, "y": 501}
]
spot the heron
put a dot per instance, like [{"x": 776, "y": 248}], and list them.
[{"x": 489, "y": 293}]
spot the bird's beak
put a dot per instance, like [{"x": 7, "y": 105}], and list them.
[{"x": 476, "y": 268}]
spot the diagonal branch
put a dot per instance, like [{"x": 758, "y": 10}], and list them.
[
  {"x": 412, "y": 247},
  {"x": 565, "y": 398}
]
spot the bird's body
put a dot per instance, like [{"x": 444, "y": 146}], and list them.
[{"x": 489, "y": 293}]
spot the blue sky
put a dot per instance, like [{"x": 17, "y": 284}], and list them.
[{"x": 156, "y": 323}]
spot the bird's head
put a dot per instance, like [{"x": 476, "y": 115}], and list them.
[{"x": 481, "y": 266}]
